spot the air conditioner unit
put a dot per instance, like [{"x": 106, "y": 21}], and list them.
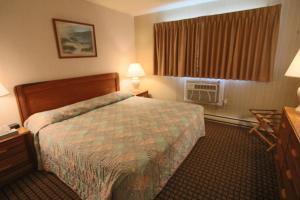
[{"x": 204, "y": 91}]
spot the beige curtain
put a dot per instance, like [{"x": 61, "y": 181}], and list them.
[{"x": 239, "y": 45}]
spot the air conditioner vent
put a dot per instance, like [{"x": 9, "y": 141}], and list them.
[{"x": 204, "y": 91}]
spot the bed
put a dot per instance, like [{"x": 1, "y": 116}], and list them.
[{"x": 106, "y": 144}]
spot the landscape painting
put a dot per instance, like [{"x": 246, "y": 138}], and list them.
[{"x": 74, "y": 39}]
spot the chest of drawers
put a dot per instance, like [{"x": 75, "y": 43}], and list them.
[
  {"x": 15, "y": 156},
  {"x": 288, "y": 154}
]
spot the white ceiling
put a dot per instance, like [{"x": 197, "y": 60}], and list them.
[{"x": 140, "y": 7}]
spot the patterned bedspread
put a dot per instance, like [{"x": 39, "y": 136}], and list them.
[{"x": 126, "y": 148}]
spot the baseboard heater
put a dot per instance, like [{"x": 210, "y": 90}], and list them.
[{"x": 230, "y": 120}]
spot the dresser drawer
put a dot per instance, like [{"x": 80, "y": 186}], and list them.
[
  {"x": 10, "y": 144},
  {"x": 15, "y": 173},
  {"x": 10, "y": 152},
  {"x": 16, "y": 156},
  {"x": 288, "y": 188},
  {"x": 293, "y": 161},
  {"x": 284, "y": 133},
  {"x": 10, "y": 162},
  {"x": 288, "y": 155},
  {"x": 279, "y": 156},
  {"x": 292, "y": 174},
  {"x": 294, "y": 150}
]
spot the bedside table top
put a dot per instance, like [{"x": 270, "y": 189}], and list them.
[
  {"x": 21, "y": 131},
  {"x": 138, "y": 92}
]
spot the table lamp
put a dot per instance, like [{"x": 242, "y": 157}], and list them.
[
  {"x": 3, "y": 90},
  {"x": 294, "y": 71},
  {"x": 135, "y": 71}
]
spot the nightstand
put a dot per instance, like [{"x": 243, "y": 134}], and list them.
[
  {"x": 141, "y": 93},
  {"x": 16, "y": 156}
]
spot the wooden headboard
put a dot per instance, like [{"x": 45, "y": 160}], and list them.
[{"x": 42, "y": 96}]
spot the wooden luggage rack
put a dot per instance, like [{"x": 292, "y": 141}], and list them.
[{"x": 268, "y": 124}]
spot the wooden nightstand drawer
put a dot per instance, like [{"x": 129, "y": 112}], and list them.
[
  {"x": 10, "y": 152},
  {"x": 15, "y": 172},
  {"x": 13, "y": 161},
  {"x": 10, "y": 144},
  {"x": 16, "y": 156}
]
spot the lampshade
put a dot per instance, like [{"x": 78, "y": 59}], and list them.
[
  {"x": 294, "y": 68},
  {"x": 135, "y": 70},
  {"x": 3, "y": 90}
]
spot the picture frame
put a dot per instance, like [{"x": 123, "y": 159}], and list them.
[{"x": 74, "y": 39}]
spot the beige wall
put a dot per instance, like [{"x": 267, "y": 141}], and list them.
[
  {"x": 28, "y": 51},
  {"x": 241, "y": 95}
]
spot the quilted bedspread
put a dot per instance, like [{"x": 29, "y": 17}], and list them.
[{"x": 127, "y": 148}]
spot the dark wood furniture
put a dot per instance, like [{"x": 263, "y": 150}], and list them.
[
  {"x": 288, "y": 154},
  {"x": 42, "y": 96},
  {"x": 16, "y": 156},
  {"x": 141, "y": 93}
]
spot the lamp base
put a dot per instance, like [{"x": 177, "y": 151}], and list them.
[{"x": 135, "y": 82}]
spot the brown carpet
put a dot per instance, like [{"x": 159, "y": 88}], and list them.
[{"x": 229, "y": 163}]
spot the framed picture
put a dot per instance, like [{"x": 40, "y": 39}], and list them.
[{"x": 74, "y": 39}]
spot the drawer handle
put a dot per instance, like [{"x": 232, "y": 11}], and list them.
[
  {"x": 294, "y": 153},
  {"x": 283, "y": 125},
  {"x": 283, "y": 194},
  {"x": 3, "y": 151},
  {"x": 5, "y": 168},
  {"x": 289, "y": 174}
]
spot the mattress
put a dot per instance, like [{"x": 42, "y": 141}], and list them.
[{"x": 116, "y": 146}]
